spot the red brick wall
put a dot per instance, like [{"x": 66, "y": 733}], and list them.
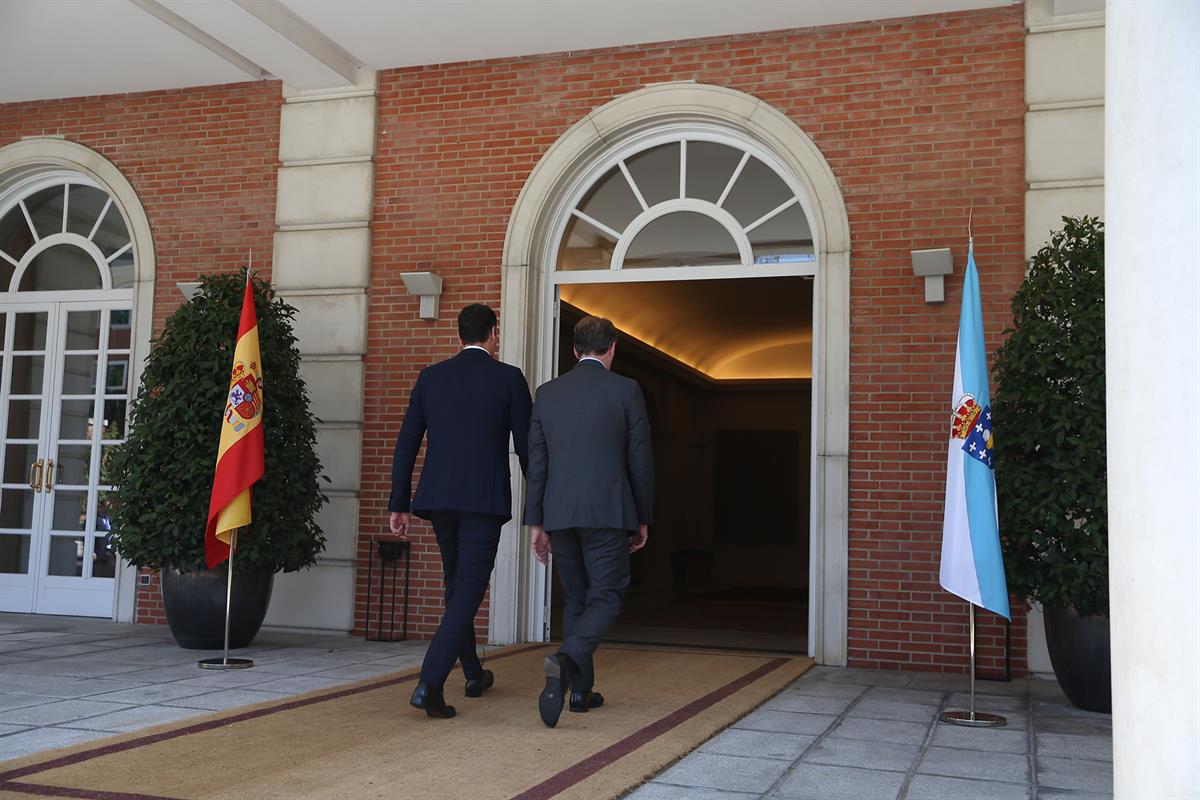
[
  {"x": 920, "y": 119},
  {"x": 203, "y": 162}
]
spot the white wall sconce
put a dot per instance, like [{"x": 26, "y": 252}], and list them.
[
  {"x": 188, "y": 288},
  {"x": 428, "y": 287},
  {"x": 933, "y": 266}
]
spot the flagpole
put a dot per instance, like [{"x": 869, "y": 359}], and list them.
[
  {"x": 229, "y": 607},
  {"x": 972, "y": 719},
  {"x": 226, "y": 662},
  {"x": 212, "y": 535}
]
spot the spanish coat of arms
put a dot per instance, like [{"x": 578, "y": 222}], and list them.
[{"x": 245, "y": 394}]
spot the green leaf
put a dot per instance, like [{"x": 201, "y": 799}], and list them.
[
  {"x": 1049, "y": 406},
  {"x": 165, "y": 468}
]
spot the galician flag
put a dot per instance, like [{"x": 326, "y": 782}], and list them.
[
  {"x": 240, "y": 455},
  {"x": 972, "y": 566}
]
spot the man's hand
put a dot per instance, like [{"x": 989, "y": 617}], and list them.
[
  {"x": 399, "y": 522},
  {"x": 638, "y": 540},
  {"x": 541, "y": 544}
]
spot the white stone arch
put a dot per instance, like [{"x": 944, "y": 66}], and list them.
[
  {"x": 524, "y": 328},
  {"x": 22, "y": 160}
]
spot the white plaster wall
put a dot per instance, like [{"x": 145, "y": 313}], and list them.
[
  {"x": 308, "y": 600},
  {"x": 1039, "y": 655},
  {"x": 341, "y": 454},
  {"x": 334, "y": 387},
  {"x": 330, "y": 324},
  {"x": 324, "y": 194},
  {"x": 338, "y": 519},
  {"x": 1064, "y": 65},
  {"x": 1045, "y": 208},
  {"x": 322, "y": 267},
  {"x": 328, "y": 129},
  {"x": 1064, "y": 144},
  {"x": 1064, "y": 126},
  {"x": 325, "y": 258},
  {"x": 1152, "y": 315}
]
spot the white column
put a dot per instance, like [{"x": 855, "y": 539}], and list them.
[
  {"x": 1152, "y": 296},
  {"x": 321, "y": 266}
]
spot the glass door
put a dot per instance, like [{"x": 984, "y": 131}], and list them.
[
  {"x": 63, "y": 406},
  {"x": 23, "y": 390}
]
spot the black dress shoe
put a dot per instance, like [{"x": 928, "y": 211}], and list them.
[
  {"x": 432, "y": 701},
  {"x": 560, "y": 671},
  {"x": 582, "y": 701},
  {"x": 477, "y": 686}
]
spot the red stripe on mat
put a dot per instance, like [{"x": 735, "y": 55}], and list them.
[
  {"x": 200, "y": 727},
  {"x": 594, "y": 763},
  {"x": 61, "y": 791}
]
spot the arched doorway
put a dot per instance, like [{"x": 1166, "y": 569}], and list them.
[
  {"x": 68, "y": 270},
  {"x": 590, "y": 213}
]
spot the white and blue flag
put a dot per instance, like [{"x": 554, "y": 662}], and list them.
[{"x": 972, "y": 566}]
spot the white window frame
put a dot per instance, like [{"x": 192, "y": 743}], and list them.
[
  {"x": 38, "y": 155},
  {"x": 681, "y": 134},
  {"x": 15, "y": 197}
]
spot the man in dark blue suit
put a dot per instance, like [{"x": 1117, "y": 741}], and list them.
[{"x": 469, "y": 405}]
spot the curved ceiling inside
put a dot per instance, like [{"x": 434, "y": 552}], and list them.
[{"x": 737, "y": 329}]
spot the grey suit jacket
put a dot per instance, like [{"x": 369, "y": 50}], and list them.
[{"x": 590, "y": 462}]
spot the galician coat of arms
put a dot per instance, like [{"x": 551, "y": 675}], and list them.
[
  {"x": 972, "y": 423},
  {"x": 245, "y": 395}
]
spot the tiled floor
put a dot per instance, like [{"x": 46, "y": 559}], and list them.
[
  {"x": 834, "y": 734},
  {"x": 847, "y": 734},
  {"x": 65, "y": 681}
]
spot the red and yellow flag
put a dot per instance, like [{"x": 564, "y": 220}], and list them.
[{"x": 240, "y": 455}]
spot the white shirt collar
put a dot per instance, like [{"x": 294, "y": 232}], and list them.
[
  {"x": 476, "y": 347},
  {"x": 592, "y": 358}
]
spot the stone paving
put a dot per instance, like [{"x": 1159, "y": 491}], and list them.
[
  {"x": 834, "y": 734},
  {"x": 67, "y": 680},
  {"x": 849, "y": 734}
]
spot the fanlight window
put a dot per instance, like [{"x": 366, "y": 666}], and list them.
[
  {"x": 686, "y": 203},
  {"x": 64, "y": 233}
]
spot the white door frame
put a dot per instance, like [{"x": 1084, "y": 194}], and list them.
[
  {"x": 528, "y": 288},
  {"x": 84, "y": 595},
  {"x": 39, "y": 154}
]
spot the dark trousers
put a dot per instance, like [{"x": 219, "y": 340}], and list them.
[
  {"x": 593, "y": 568},
  {"x": 468, "y": 545}
]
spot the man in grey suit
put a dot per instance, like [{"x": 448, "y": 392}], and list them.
[{"x": 590, "y": 491}]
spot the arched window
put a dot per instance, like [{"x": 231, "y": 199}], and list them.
[
  {"x": 691, "y": 200},
  {"x": 67, "y": 265},
  {"x": 62, "y": 232}
]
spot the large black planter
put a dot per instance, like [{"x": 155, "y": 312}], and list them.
[
  {"x": 195, "y": 606},
  {"x": 1079, "y": 651}
]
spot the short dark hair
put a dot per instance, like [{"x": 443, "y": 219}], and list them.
[
  {"x": 475, "y": 323},
  {"x": 594, "y": 335}
]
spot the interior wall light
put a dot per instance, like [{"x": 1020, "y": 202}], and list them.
[
  {"x": 428, "y": 287},
  {"x": 933, "y": 266}
]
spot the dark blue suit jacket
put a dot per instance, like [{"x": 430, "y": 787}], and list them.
[{"x": 469, "y": 405}]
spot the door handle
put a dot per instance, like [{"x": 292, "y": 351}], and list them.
[
  {"x": 35, "y": 483},
  {"x": 49, "y": 474}
]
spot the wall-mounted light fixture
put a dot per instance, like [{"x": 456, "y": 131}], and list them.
[
  {"x": 428, "y": 287},
  {"x": 933, "y": 266},
  {"x": 188, "y": 288}
]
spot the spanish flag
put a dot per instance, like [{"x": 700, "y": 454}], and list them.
[{"x": 240, "y": 455}]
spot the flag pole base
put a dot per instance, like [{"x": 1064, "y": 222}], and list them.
[
  {"x": 972, "y": 719},
  {"x": 226, "y": 663}
]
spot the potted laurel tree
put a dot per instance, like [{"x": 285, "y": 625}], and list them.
[
  {"x": 1051, "y": 468},
  {"x": 164, "y": 470}
]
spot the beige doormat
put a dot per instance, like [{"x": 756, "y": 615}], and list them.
[{"x": 365, "y": 741}]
